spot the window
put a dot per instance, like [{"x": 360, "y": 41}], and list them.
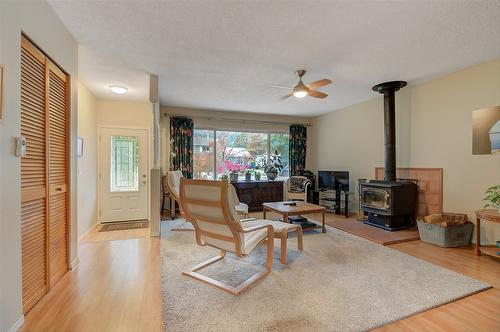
[
  {"x": 124, "y": 163},
  {"x": 203, "y": 156},
  {"x": 279, "y": 142},
  {"x": 215, "y": 149},
  {"x": 242, "y": 148}
]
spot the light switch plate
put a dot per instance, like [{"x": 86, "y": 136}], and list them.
[{"x": 21, "y": 146}]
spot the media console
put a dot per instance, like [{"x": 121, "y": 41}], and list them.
[
  {"x": 333, "y": 191},
  {"x": 333, "y": 200},
  {"x": 254, "y": 193}
]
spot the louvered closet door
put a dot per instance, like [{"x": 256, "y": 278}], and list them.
[
  {"x": 33, "y": 175},
  {"x": 44, "y": 173},
  {"x": 58, "y": 174}
]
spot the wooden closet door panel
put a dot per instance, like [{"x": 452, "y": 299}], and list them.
[
  {"x": 58, "y": 173},
  {"x": 33, "y": 175}
]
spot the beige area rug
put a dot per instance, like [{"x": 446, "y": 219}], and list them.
[{"x": 340, "y": 282}]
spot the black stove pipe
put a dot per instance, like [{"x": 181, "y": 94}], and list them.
[{"x": 388, "y": 89}]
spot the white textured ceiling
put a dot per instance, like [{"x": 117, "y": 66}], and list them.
[
  {"x": 224, "y": 54},
  {"x": 98, "y": 71}
]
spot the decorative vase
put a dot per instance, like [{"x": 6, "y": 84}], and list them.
[
  {"x": 272, "y": 175},
  {"x": 257, "y": 176},
  {"x": 248, "y": 176},
  {"x": 233, "y": 177}
]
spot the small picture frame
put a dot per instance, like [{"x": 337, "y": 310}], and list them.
[
  {"x": 79, "y": 147},
  {"x": 1, "y": 92}
]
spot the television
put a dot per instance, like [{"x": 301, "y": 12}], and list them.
[
  {"x": 341, "y": 180},
  {"x": 333, "y": 180},
  {"x": 325, "y": 180}
]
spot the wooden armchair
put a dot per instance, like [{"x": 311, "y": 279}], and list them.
[
  {"x": 241, "y": 208},
  {"x": 297, "y": 188},
  {"x": 173, "y": 183},
  {"x": 210, "y": 207}
]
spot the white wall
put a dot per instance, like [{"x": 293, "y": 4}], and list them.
[
  {"x": 4, "y": 319},
  {"x": 42, "y": 25},
  {"x": 127, "y": 115},
  {"x": 87, "y": 164},
  {"x": 232, "y": 121},
  {"x": 434, "y": 129},
  {"x": 352, "y": 139}
]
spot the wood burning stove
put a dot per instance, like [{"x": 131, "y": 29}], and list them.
[{"x": 390, "y": 203}]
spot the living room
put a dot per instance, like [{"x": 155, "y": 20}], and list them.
[{"x": 250, "y": 166}]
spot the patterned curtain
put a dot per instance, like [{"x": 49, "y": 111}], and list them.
[
  {"x": 297, "y": 144},
  {"x": 181, "y": 145}
]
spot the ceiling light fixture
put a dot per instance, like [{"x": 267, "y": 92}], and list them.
[
  {"x": 300, "y": 93},
  {"x": 119, "y": 90},
  {"x": 300, "y": 90}
]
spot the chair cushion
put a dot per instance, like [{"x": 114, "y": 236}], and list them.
[
  {"x": 297, "y": 185},
  {"x": 300, "y": 196},
  {"x": 242, "y": 207},
  {"x": 173, "y": 182},
  {"x": 233, "y": 202},
  {"x": 252, "y": 239},
  {"x": 278, "y": 226}
]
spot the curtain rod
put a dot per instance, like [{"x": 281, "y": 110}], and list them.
[{"x": 236, "y": 120}]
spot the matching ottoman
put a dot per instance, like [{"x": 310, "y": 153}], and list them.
[{"x": 281, "y": 230}]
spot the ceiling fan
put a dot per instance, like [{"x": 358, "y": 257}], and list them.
[{"x": 301, "y": 90}]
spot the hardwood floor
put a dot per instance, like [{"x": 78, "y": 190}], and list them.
[
  {"x": 117, "y": 287},
  {"x": 479, "y": 312},
  {"x": 96, "y": 236}
]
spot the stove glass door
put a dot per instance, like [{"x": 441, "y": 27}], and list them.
[{"x": 376, "y": 198}]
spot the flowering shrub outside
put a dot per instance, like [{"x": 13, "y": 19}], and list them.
[{"x": 235, "y": 167}]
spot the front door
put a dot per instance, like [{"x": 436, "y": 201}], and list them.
[{"x": 123, "y": 174}]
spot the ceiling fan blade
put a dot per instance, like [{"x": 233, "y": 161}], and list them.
[
  {"x": 287, "y": 96},
  {"x": 319, "y": 83},
  {"x": 317, "y": 94},
  {"x": 281, "y": 86}
]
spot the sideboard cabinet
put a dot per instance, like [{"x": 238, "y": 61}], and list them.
[{"x": 254, "y": 193}]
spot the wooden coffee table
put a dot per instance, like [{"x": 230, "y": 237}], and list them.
[{"x": 290, "y": 210}]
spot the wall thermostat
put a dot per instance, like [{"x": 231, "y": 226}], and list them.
[{"x": 21, "y": 146}]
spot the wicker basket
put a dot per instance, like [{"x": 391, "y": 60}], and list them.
[{"x": 451, "y": 236}]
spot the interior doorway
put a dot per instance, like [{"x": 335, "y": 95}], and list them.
[{"x": 123, "y": 174}]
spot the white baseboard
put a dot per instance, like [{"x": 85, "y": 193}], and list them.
[
  {"x": 17, "y": 325},
  {"x": 74, "y": 263},
  {"x": 88, "y": 231}
]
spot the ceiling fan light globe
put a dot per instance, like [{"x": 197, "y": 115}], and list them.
[{"x": 300, "y": 93}]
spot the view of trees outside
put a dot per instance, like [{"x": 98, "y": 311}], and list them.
[
  {"x": 279, "y": 142},
  {"x": 203, "y": 154},
  {"x": 240, "y": 147},
  {"x": 243, "y": 148}
]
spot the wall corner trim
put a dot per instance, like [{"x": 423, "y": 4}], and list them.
[
  {"x": 74, "y": 263},
  {"x": 17, "y": 325},
  {"x": 87, "y": 232},
  {"x": 155, "y": 234}
]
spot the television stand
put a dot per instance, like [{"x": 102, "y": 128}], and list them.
[{"x": 335, "y": 201}]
